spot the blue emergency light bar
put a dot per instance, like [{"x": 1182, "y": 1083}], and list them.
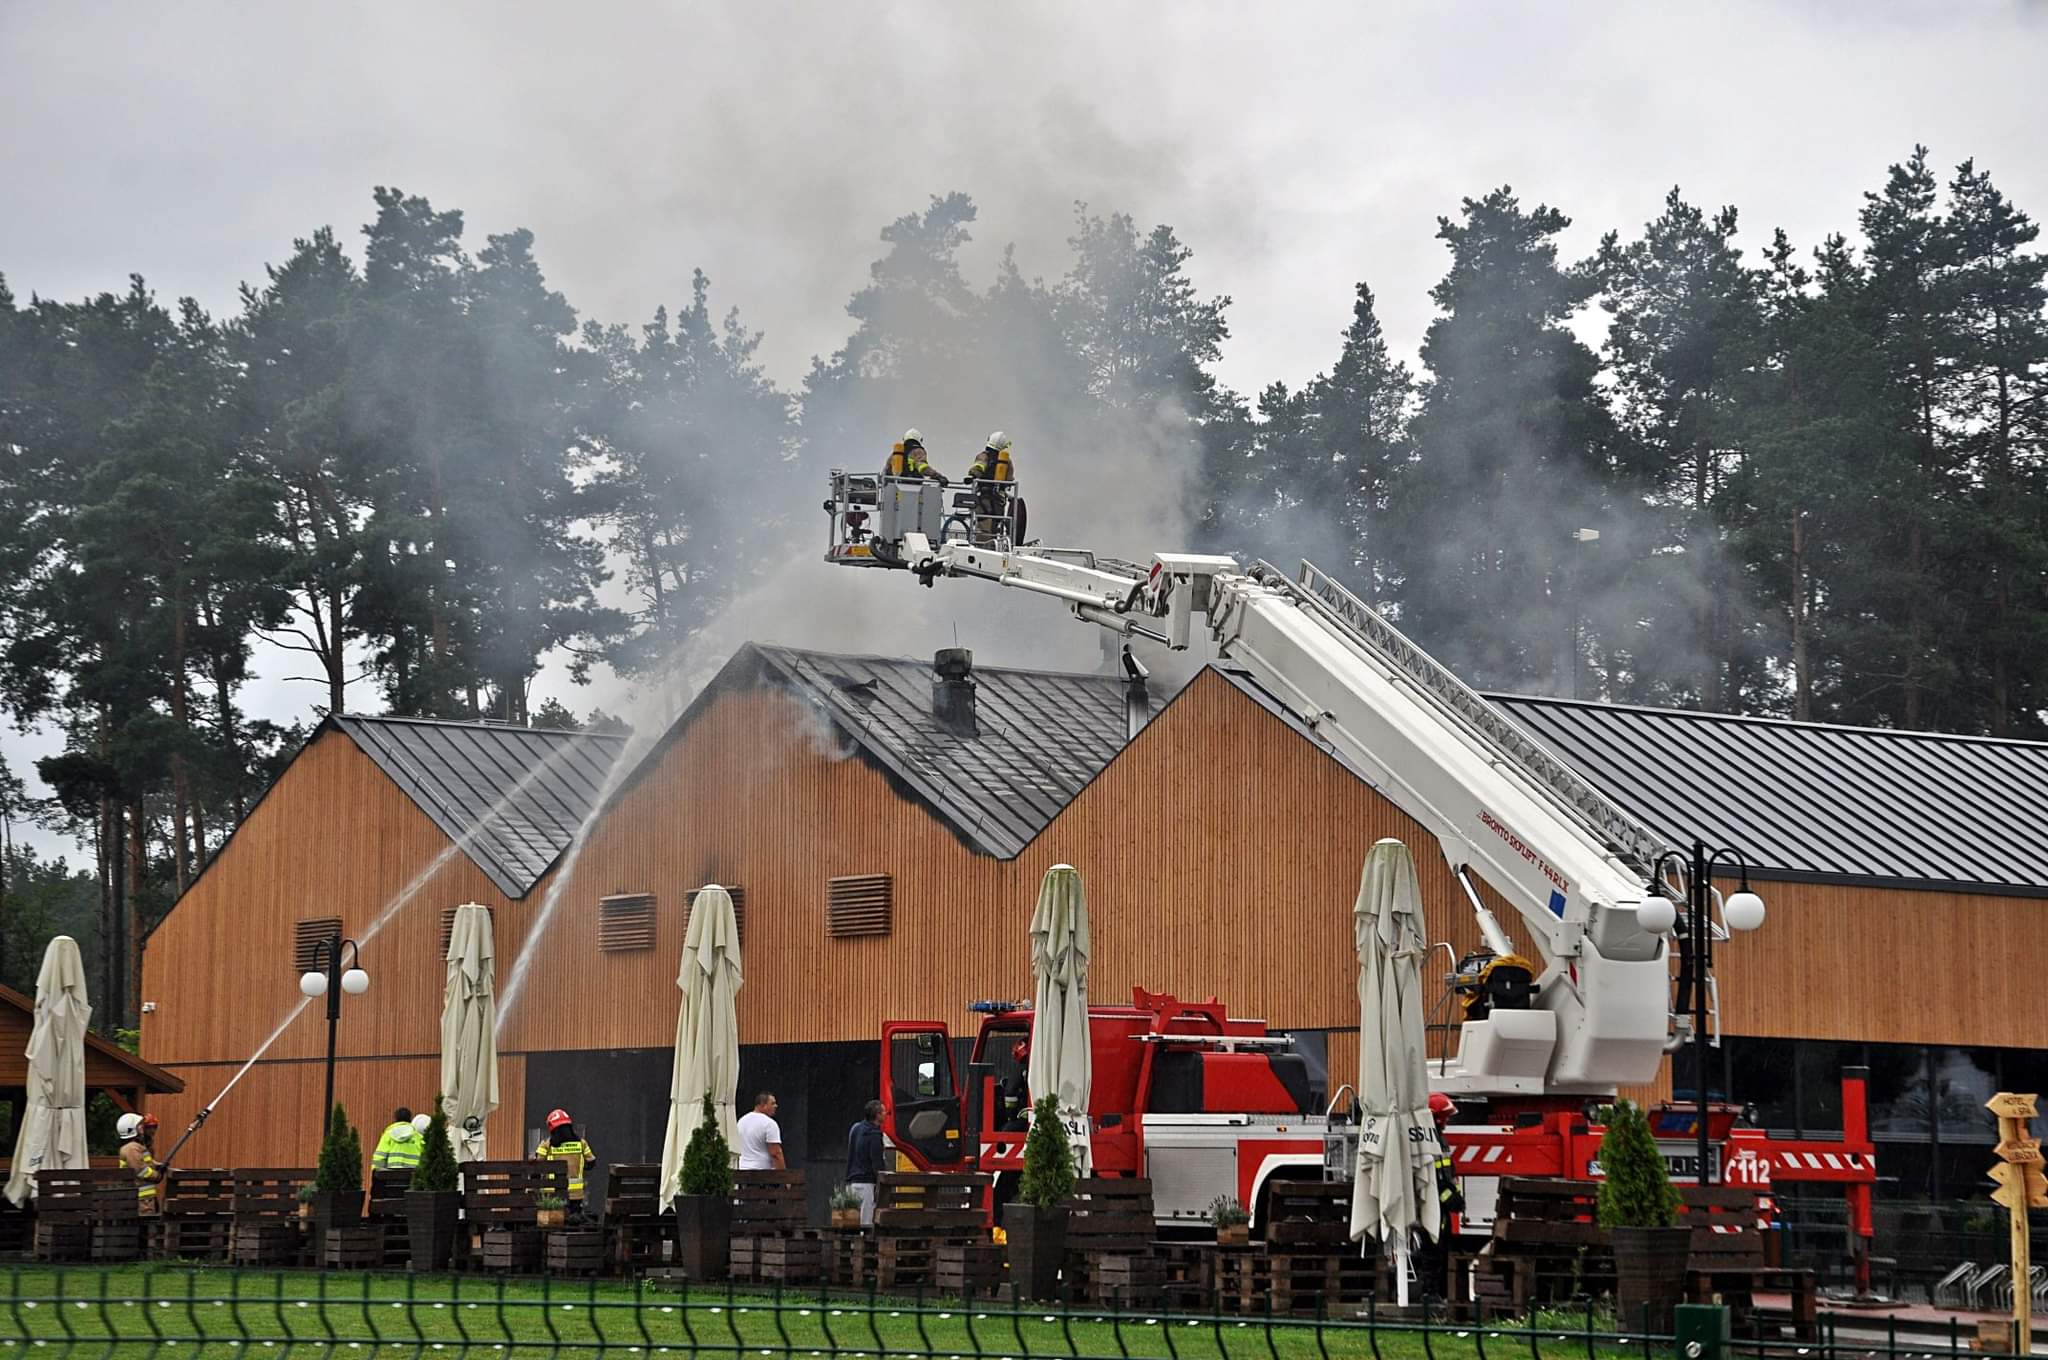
[{"x": 997, "y": 1007}]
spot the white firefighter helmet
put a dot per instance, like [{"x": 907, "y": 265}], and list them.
[
  {"x": 128, "y": 1125},
  {"x": 999, "y": 442},
  {"x": 913, "y": 436},
  {"x": 423, "y": 1122}
]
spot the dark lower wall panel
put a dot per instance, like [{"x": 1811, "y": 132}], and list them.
[{"x": 619, "y": 1099}]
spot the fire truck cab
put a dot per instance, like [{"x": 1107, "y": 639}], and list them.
[{"x": 1182, "y": 1092}]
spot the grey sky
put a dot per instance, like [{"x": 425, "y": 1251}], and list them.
[{"x": 1296, "y": 148}]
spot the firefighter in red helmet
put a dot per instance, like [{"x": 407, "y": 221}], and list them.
[
  {"x": 1013, "y": 1092},
  {"x": 565, "y": 1145},
  {"x": 1432, "y": 1264}
]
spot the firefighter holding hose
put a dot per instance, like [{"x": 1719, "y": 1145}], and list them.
[{"x": 137, "y": 1133}]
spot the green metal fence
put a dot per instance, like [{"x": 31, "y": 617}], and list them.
[{"x": 180, "y": 1313}]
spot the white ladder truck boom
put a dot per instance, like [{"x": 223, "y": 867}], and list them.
[{"x": 1595, "y": 1011}]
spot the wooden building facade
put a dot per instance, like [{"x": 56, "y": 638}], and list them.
[{"x": 886, "y": 863}]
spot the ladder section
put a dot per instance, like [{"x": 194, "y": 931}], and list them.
[{"x": 1348, "y": 614}]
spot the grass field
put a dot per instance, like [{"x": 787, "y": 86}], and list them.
[{"x": 184, "y": 1311}]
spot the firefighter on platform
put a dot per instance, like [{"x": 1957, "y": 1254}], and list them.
[
  {"x": 995, "y": 477},
  {"x": 398, "y": 1149},
  {"x": 563, "y": 1144},
  {"x": 137, "y": 1133},
  {"x": 907, "y": 459}
]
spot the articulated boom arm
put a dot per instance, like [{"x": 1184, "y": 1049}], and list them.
[{"x": 1570, "y": 864}]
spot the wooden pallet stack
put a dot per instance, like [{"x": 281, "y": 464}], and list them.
[
  {"x": 197, "y": 1219},
  {"x": 1110, "y": 1227},
  {"x": 632, "y": 1216},
  {"x": 972, "y": 1270},
  {"x": 501, "y": 1212},
  {"x": 265, "y": 1205},
  {"x": 64, "y": 1209},
  {"x": 772, "y": 1241},
  {"x": 576, "y": 1251},
  {"x": 1307, "y": 1263},
  {"x": 353, "y": 1246},
  {"x": 17, "y": 1230},
  {"x": 916, "y": 1213},
  {"x": 117, "y": 1233},
  {"x": 1548, "y": 1247},
  {"x": 386, "y": 1212},
  {"x": 1727, "y": 1265}
]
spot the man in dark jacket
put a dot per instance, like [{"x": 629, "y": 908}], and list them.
[{"x": 864, "y": 1155}]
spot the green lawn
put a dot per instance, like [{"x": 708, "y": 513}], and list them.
[{"x": 217, "y": 1312}]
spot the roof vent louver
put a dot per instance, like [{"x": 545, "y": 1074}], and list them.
[{"x": 859, "y": 904}]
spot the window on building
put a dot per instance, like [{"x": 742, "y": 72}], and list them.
[
  {"x": 1901, "y": 1092},
  {"x": 307, "y": 936},
  {"x": 625, "y": 922},
  {"x": 1762, "y": 1072},
  {"x": 1819, "y": 1068},
  {"x": 2025, "y": 1071},
  {"x": 1964, "y": 1078}
]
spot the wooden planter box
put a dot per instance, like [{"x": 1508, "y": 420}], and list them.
[
  {"x": 970, "y": 1269},
  {"x": 1038, "y": 1248},
  {"x": 703, "y": 1236},
  {"x": 576, "y": 1251},
  {"x": 432, "y": 1222},
  {"x": 279, "y": 1243},
  {"x": 512, "y": 1251}
]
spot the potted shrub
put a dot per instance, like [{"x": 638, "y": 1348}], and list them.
[
  {"x": 1644, "y": 1217},
  {"x": 845, "y": 1207},
  {"x": 306, "y": 1193},
  {"x": 433, "y": 1203},
  {"x": 551, "y": 1211},
  {"x": 338, "y": 1183},
  {"x": 704, "y": 1202},
  {"x": 1233, "y": 1222},
  {"x": 1036, "y": 1221}
]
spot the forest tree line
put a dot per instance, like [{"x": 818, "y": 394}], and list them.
[{"x": 1815, "y": 471}]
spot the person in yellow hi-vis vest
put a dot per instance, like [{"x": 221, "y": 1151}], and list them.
[
  {"x": 400, "y": 1146},
  {"x": 137, "y": 1133},
  {"x": 564, "y": 1145}
]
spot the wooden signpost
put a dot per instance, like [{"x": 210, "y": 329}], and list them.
[{"x": 2021, "y": 1186}]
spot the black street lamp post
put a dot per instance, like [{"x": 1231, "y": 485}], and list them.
[
  {"x": 331, "y": 982},
  {"x": 1743, "y": 910}
]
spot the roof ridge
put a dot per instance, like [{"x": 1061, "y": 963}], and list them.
[
  {"x": 979, "y": 669},
  {"x": 478, "y": 725},
  {"x": 1764, "y": 720}
]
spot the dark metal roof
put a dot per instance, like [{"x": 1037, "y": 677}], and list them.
[
  {"x": 1810, "y": 801},
  {"x": 1043, "y": 735},
  {"x": 511, "y": 797}
]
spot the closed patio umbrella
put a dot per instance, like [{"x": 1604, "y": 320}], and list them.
[
  {"x": 707, "y": 1055},
  {"x": 469, "y": 1031},
  {"x": 1061, "y": 1061},
  {"x": 52, "y": 1136},
  {"x": 1394, "y": 1190}
]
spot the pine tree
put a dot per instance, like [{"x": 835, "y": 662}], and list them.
[
  {"x": 1514, "y": 451},
  {"x": 437, "y": 1171},
  {"x": 341, "y": 1157},
  {"x": 707, "y": 1158},
  {"x": 1048, "y": 1178},
  {"x": 1636, "y": 1191}
]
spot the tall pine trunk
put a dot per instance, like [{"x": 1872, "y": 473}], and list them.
[
  {"x": 138, "y": 877},
  {"x": 1801, "y": 615},
  {"x": 181, "y": 774}
]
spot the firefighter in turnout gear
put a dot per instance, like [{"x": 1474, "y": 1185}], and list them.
[
  {"x": 137, "y": 1133},
  {"x": 563, "y": 1144},
  {"x": 400, "y": 1146},
  {"x": 994, "y": 475},
  {"x": 1433, "y": 1260},
  {"x": 907, "y": 459}
]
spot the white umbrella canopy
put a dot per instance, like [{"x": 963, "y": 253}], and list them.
[
  {"x": 1394, "y": 1190},
  {"x": 707, "y": 1031},
  {"x": 52, "y": 1136},
  {"x": 469, "y": 1031},
  {"x": 1061, "y": 1061}
]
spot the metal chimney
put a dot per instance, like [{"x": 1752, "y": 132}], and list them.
[
  {"x": 1137, "y": 697},
  {"x": 953, "y": 691}
]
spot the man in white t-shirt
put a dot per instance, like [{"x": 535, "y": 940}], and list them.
[{"x": 761, "y": 1136}]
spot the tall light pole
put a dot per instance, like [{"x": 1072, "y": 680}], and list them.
[
  {"x": 331, "y": 984},
  {"x": 1744, "y": 911}
]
